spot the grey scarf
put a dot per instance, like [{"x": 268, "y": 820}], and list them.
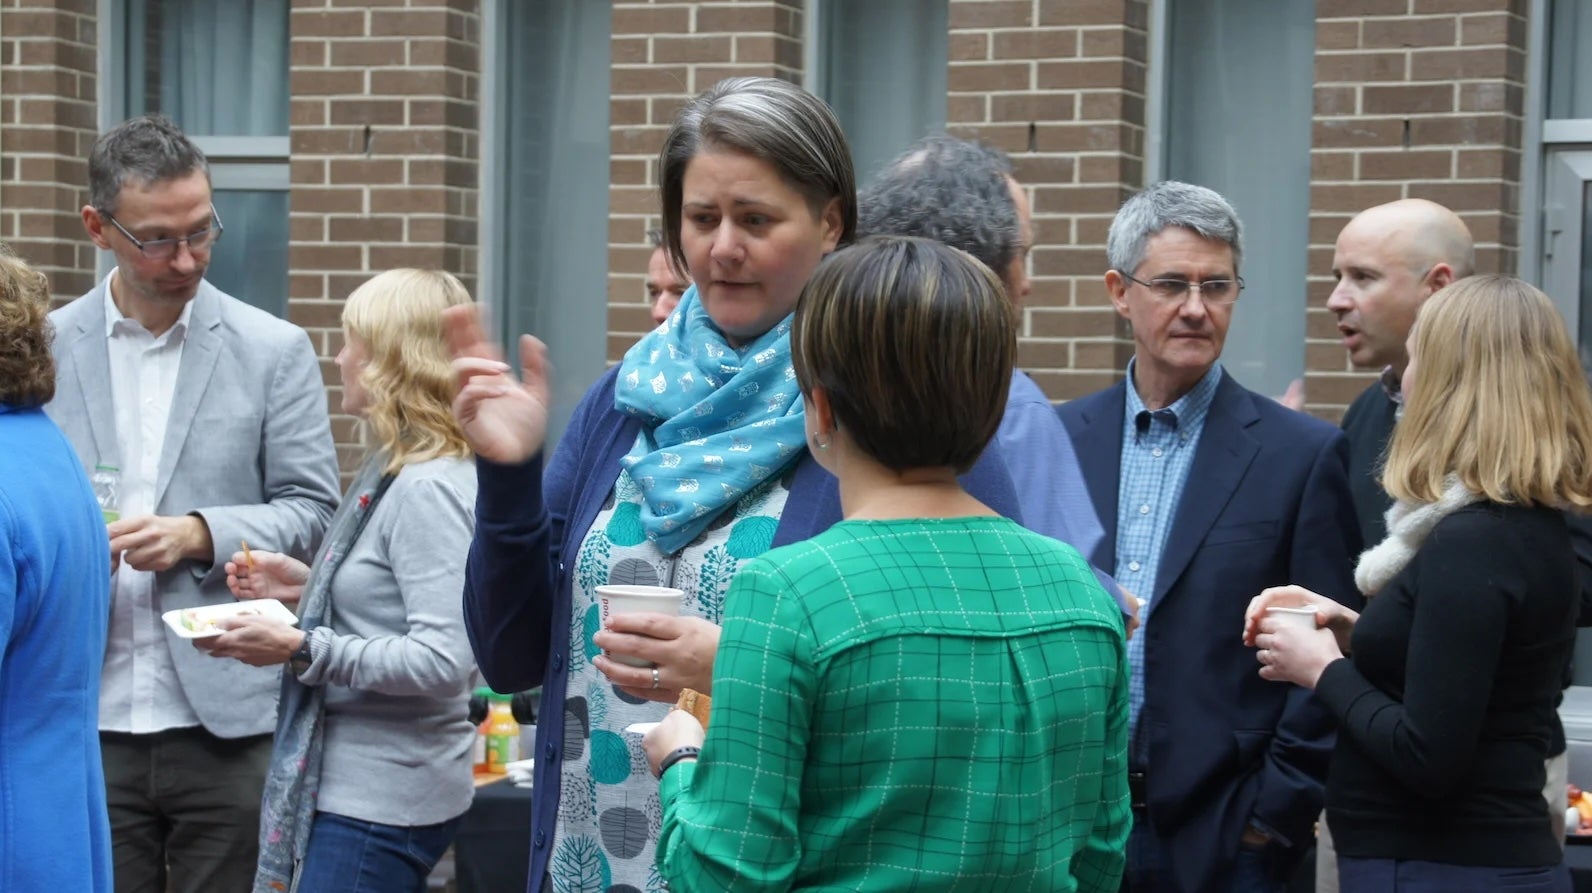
[
  {"x": 294, "y": 779},
  {"x": 1408, "y": 524}
]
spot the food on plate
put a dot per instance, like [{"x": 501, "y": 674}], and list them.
[
  {"x": 1581, "y": 802},
  {"x": 696, "y": 704},
  {"x": 200, "y": 620}
]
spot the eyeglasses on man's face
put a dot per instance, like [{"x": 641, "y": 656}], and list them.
[
  {"x": 164, "y": 249},
  {"x": 1172, "y": 290}
]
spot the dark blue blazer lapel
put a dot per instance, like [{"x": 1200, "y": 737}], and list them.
[
  {"x": 1097, "y": 439},
  {"x": 1225, "y": 452}
]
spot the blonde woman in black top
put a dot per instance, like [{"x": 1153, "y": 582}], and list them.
[{"x": 1446, "y": 698}]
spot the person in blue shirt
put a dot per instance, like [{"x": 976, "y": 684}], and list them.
[
  {"x": 963, "y": 194},
  {"x": 55, "y": 594}
]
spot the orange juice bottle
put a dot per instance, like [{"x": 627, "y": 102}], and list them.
[
  {"x": 484, "y": 694},
  {"x": 502, "y": 733}
]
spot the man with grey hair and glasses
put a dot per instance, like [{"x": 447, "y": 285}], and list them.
[
  {"x": 1209, "y": 493},
  {"x": 209, "y": 421},
  {"x": 964, "y": 194}
]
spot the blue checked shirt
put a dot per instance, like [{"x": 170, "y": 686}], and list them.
[{"x": 1157, "y": 451}]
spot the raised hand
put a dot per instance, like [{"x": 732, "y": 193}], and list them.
[
  {"x": 503, "y": 420},
  {"x": 266, "y": 575}
]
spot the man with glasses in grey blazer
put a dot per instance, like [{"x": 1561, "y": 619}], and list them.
[{"x": 212, "y": 418}]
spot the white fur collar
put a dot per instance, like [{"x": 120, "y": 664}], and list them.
[{"x": 1408, "y": 524}]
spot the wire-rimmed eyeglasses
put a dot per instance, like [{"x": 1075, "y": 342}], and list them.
[
  {"x": 163, "y": 249},
  {"x": 1211, "y": 291}
]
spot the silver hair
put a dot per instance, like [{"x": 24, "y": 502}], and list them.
[
  {"x": 951, "y": 190},
  {"x": 146, "y": 149},
  {"x": 769, "y": 119},
  {"x": 1167, "y": 204}
]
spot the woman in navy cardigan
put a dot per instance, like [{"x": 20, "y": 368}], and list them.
[
  {"x": 681, "y": 463},
  {"x": 1446, "y": 700}
]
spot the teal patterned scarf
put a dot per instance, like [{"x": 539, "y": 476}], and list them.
[{"x": 717, "y": 420}]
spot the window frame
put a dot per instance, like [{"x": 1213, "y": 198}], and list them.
[{"x": 237, "y": 163}]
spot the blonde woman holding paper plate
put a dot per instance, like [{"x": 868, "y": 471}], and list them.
[{"x": 372, "y": 762}]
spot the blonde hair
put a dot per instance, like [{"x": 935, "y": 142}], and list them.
[
  {"x": 408, "y": 381},
  {"x": 27, "y": 370},
  {"x": 1500, "y": 400}
]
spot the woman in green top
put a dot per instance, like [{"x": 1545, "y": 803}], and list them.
[{"x": 925, "y": 696}]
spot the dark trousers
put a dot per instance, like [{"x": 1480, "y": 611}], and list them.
[
  {"x": 1148, "y": 872},
  {"x": 185, "y": 809},
  {"x": 1408, "y": 876}
]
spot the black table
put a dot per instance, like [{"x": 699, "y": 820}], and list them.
[
  {"x": 492, "y": 852},
  {"x": 1578, "y": 855}
]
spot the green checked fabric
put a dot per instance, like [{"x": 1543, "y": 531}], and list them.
[{"x": 925, "y": 704}]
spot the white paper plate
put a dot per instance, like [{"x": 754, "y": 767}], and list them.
[
  {"x": 640, "y": 728},
  {"x": 195, "y": 623}
]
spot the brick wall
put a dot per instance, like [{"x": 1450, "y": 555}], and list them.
[
  {"x": 664, "y": 54},
  {"x": 47, "y": 125},
  {"x": 385, "y": 143},
  {"x": 1413, "y": 99},
  {"x": 1059, "y": 85}
]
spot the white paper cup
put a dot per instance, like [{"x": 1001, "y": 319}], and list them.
[
  {"x": 615, "y": 600},
  {"x": 1304, "y": 618}
]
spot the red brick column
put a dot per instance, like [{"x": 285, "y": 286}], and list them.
[
  {"x": 1059, "y": 84},
  {"x": 1413, "y": 99},
  {"x": 47, "y": 126},
  {"x": 385, "y": 143}
]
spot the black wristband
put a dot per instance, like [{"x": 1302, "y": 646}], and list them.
[
  {"x": 299, "y": 662},
  {"x": 675, "y": 756}
]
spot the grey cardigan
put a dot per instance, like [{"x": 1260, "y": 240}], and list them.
[{"x": 396, "y": 663}]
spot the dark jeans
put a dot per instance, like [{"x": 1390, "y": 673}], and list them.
[
  {"x": 184, "y": 808},
  {"x": 1408, "y": 876},
  {"x": 1148, "y": 872},
  {"x": 354, "y": 856}
]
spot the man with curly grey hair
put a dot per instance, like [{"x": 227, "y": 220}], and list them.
[
  {"x": 963, "y": 194},
  {"x": 1209, "y": 493}
]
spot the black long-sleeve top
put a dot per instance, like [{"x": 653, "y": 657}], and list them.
[{"x": 1446, "y": 703}]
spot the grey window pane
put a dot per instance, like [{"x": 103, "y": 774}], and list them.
[
  {"x": 884, "y": 70},
  {"x": 250, "y": 261},
  {"x": 549, "y": 202},
  {"x": 1239, "y": 84},
  {"x": 1569, "y": 64},
  {"x": 1586, "y": 273},
  {"x": 217, "y": 69}
]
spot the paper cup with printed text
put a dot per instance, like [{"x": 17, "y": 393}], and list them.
[{"x": 614, "y": 600}]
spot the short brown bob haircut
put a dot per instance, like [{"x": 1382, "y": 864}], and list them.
[
  {"x": 1498, "y": 399},
  {"x": 27, "y": 371},
  {"x": 914, "y": 342}
]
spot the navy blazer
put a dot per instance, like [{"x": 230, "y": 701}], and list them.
[{"x": 1266, "y": 503}]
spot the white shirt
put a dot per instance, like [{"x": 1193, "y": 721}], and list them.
[{"x": 139, "y": 689}]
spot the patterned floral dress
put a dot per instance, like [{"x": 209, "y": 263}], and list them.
[{"x": 609, "y": 813}]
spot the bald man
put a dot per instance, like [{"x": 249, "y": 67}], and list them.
[{"x": 1389, "y": 260}]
